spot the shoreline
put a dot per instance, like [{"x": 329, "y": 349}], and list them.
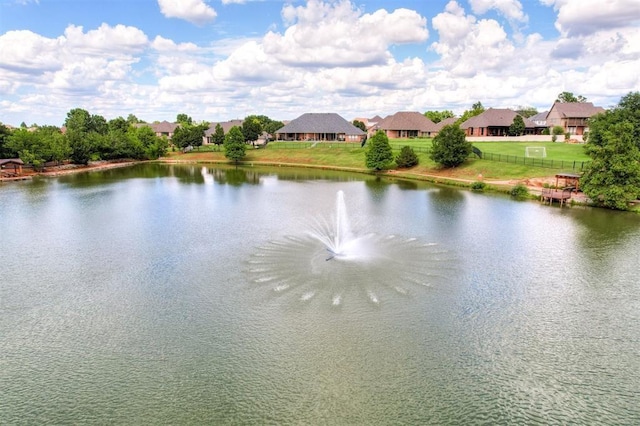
[{"x": 534, "y": 185}]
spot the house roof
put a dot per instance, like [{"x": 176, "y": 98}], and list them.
[
  {"x": 541, "y": 116},
  {"x": 495, "y": 117},
  {"x": 576, "y": 109},
  {"x": 440, "y": 124},
  {"x": 407, "y": 120},
  {"x": 4, "y": 161},
  {"x": 314, "y": 122},
  {"x": 226, "y": 126},
  {"x": 162, "y": 127}
]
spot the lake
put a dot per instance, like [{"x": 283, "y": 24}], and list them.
[{"x": 187, "y": 294}]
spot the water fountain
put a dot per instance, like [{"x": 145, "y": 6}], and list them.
[{"x": 333, "y": 262}]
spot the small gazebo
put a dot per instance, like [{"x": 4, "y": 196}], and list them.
[
  {"x": 571, "y": 180},
  {"x": 11, "y": 167}
]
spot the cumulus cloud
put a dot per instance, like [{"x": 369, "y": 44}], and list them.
[
  {"x": 582, "y": 17},
  {"x": 511, "y": 9},
  {"x": 467, "y": 45},
  {"x": 331, "y": 34},
  {"x": 194, "y": 11},
  {"x": 120, "y": 39}
]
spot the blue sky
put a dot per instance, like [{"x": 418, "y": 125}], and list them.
[{"x": 223, "y": 59}]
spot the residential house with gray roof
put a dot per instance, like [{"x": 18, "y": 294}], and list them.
[
  {"x": 496, "y": 122},
  {"x": 314, "y": 126},
  {"x": 407, "y": 124}
]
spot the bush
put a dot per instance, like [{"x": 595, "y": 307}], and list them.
[
  {"x": 450, "y": 147},
  {"x": 407, "y": 158},
  {"x": 478, "y": 186},
  {"x": 519, "y": 191},
  {"x": 379, "y": 154}
]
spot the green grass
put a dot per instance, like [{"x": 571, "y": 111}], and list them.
[
  {"x": 555, "y": 150},
  {"x": 352, "y": 156}
]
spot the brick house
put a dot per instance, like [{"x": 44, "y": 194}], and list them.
[{"x": 573, "y": 117}]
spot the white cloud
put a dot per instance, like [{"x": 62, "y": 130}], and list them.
[
  {"x": 330, "y": 56},
  {"x": 194, "y": 11},
  {"x": 467, "y": 46},
  {"x": 105, "y": 39},
  {"x": 332, "y": 34},
  {"x": 511, "y": 9},
  {"x": 582, "y": 17}
]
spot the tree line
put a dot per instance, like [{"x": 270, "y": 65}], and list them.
[{"x": 90, "y": 137}]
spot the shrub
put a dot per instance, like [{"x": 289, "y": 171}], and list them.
[
  {"x": 450, "y": 147},
  {"x": 379, "y": 154},
  {"x": 519, "y": 191},
  {"x": 407, "y": 158},
  {"x": 478, "y": 186}
]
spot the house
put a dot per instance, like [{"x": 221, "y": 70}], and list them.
[
  {"x": 540, "y": 119},
  {"x": 10, "y": 167},
  {"x": 407, "y": 124},
  {"x": 226, "y": 126},
  {"x": 496, "y": 122},
  {"x": 573, "y": 117},
  {"x": 162, "y": 129},
  {"x": 314, "y": 126}
]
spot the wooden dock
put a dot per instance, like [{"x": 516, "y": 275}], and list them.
[{"x": 560, "y": 195}]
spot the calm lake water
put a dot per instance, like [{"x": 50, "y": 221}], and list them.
[{"x": 165, "y": 294}]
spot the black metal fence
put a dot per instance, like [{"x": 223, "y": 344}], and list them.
[{"x": 536, "y": 162}]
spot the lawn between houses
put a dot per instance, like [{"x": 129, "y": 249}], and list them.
[{"x": 352, "y": 157}]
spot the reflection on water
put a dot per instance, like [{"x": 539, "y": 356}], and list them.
[{"x": 184, "y": 294}]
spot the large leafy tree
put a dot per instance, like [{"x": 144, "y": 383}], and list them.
[
  {"x": 613, "y": 178},
  {"x": 476, "y": 109},
  {"x": 5, "y": 132},
  {"x": 379, "y": 155},
  {"x": 438, "y": 116},
  {"x": 153, "y": 146},
  {"x": 185, "y": 136},
  {"x": 568, "y": 97},
  {"x": 252, "y": 128},
  {"x": 184, "y": 120},
  {"x": 234, "y": 145},
  {"x": 450, "y": 147}
]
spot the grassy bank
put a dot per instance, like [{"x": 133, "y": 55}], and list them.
[{"x": 352, "y": 157}]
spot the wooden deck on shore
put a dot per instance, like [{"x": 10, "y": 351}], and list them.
[{"x": 561, "y": 195}]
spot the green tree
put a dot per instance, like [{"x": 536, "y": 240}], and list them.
[
  {"x": 476, "y": 109},
  {"x": 184, "y": 120},
  {"x": 627, "y": 110},
  {"x": 234, "y": 145},
  {"x": 379, "y": 155},
  {"x": 5, "y": 132},
  {"x": 568, "y": 97},
  {"x": 218, "y": 135},
  {"x": 407, "y": 158},
  {"x": 185, "y": 136},
  {"x": 526, "y": 111},
  {"x": 360, "y": 125},
  {"x": 517, "y": 127},
  {"x": 450, "y": 147},
  {"x": 438, "y": 116},
  {"x": 555, "y": 132},
  {"x": 153, "y": 146},
  {"x": 272, "y": 127},
  {"x": 613, "y": 145},
  {"x": 613, "y": 177},
  {"x": 252, "y": 128}
]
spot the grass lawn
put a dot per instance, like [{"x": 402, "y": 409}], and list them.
[
  {"x": 352, "y": 156},
  {"x": 555, "y": 150}
]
